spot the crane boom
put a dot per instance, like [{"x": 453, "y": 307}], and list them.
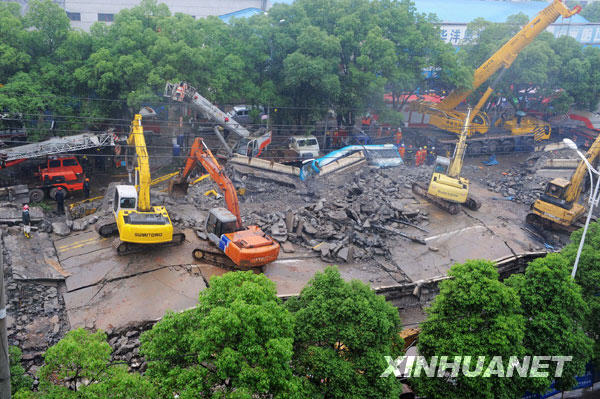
[
  {"x": 200, "y": 153},
  {"x": 183, "y": 91},
  {"x": 142, "y": 169},
  {"x": 506, "y": 55}
]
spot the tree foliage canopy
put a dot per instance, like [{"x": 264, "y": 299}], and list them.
[
  {"x": 555, "y": 312},
  {"x": 343, "y": 331},
  {"x": 557, "y": 68},
  {"x": 304, "y": 58},
  {"x": 237, "y": 343},
  {"x": 588, "y": 277},
  {"x": 473, "y": 315}
]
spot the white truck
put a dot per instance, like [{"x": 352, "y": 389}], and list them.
[{"x": 306, "y": 147}]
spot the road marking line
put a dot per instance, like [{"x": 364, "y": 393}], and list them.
[
  {"x": 288, "y": 260},
  {"x": 454, "y": 232},
  {"x": 79, "y": 244}
]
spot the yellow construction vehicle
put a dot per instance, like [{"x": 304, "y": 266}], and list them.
[
  {"x": 447, "y": 189},
  {"x": 558, "y": 208},
  {"x": 139, "y": 224},
  {"x": 445, "y": 116}
]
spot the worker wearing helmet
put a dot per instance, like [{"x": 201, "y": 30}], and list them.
[
  {"x": 26, "y": 221},
  {"x": 402, "y": 151},
  {"x": 430, "y": 156},
  {"x": 86, "y": 187}
]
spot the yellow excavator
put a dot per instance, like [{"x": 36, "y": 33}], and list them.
[
  {"x": 447, "y": 189},
  {"x": 138, "y": 223},
  {"x": 558, "y": 207},
  {"x": 445, "y": 116}
]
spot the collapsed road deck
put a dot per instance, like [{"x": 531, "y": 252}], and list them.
[{"x": 104, "y": 290}]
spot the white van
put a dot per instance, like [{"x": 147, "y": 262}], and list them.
[{"x": 306, "y": 146}]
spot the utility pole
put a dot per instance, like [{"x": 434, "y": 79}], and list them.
[{"x": 4, "y": 359}]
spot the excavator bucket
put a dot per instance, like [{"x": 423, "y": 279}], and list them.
[{"x": 178, "y": 186}]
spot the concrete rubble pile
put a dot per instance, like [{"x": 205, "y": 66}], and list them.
[
  {"x": 125, "y": 343},
  {"x": 516, "y": 185},
  {"x": 36, "y": 311},
  {"x": 352, "y": 222}
]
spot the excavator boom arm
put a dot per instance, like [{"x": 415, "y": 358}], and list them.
[
  {"x": 457, "y": 161},
  {"x": 201, "y": 154},
  {"x": 574, "y": 190},
  {"x": 506, "y": 55},
  {"x": 136, "y": 139}
]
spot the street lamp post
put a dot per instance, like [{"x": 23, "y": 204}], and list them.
[{"x": 593, "y": 201}]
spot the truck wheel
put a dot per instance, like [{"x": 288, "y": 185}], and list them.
[
  {"x": 36, "y": 195},
  {"x": 53, "y": 191}
]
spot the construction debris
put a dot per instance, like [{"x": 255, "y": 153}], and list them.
[{"x": 353, "y": 221}]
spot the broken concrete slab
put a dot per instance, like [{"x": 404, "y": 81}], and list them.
[
  {"x": 91, "y": 259},
  {"x": 287, "y": 247},
  {"x": 33, "y": 258},
  {"x": 12, "y": 214},
  {"x": 61, "y": 228},
  {"x": 136, "y": 299},
  {"x": 37, "y": 333}
]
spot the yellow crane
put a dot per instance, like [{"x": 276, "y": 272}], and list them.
[
  {"x": 138, "y": 223},
  {"x": 447, "y": 189},
  {"x": 445, "y": 116},
  {"x": 558, "y": 207}
]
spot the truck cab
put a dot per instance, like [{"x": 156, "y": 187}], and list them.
[
  {"x": 65, "y": 172},
  {"x": 305, "y": 146}
]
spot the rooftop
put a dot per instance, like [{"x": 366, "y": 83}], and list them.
[
  {"x": 245, "y": 13},
  {"x": 464, "y": 11}
]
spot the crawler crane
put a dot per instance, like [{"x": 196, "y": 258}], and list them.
[
  {"x": 230, "y": 243},
  {"x": 445, "y": 116},
  {"x": 448, "y": 189},
  {"x": 558, "y": 208},
  {"x": 138, "y": 223}
]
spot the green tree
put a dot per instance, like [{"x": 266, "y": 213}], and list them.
[
  {"x": 13, "y": 54},
  {"x": 19, "y": 381},
  {"x": 557, "y": 68},
  {"x": 591, "y": 12},
  {"x": 79, "y": 366},
  {"x": 588, "y": 276},
  {"x": 555, "y": 313},
  {"x": 50, "y": 26},
  {"x": 473, "y": 315},
  {"x": 343, "y": 333},
  {"x": 237, "y": 343}
]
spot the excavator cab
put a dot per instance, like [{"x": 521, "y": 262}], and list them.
[
  {"x": 556, "y": 191},
  {"x": 441, "y": 164},
  {"x": 220, "y": 221}
]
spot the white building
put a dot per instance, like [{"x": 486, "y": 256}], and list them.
[{"x": 83, "y": 13}]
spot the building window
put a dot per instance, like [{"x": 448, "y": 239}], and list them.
[
  {"x": 74, "y": 16},
  {"x": 106, "y": 17}
]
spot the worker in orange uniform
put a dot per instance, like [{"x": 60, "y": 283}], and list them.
[
  {"x": 398, "y": 136},
  {"x": 419, "y": 157},
  {"x": 402, "y": 151}
]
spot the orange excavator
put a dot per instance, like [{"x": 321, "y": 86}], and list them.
[{"x": 229, "y": 243}]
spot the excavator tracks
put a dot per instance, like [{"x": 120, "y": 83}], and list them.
[
  {"x": 106, "y": 227},
  {"x": 206, "y": 252},
  {"x": 127, "y": 248},
  {"x": 472, "y": 203},
  {"x": 542, "y": 224},
  {"x": 451, "y": 207}
]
